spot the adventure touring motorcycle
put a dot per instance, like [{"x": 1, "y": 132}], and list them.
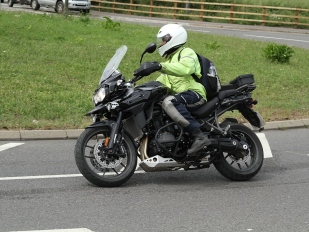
[{"x": 129, "y": 123}]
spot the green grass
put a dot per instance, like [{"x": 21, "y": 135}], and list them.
[{"x": 50, "y": 66}]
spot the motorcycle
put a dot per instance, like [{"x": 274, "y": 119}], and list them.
[{"x": 130, "y": 124}]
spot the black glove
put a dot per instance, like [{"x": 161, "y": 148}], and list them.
[{"x": 147, "y": 68}]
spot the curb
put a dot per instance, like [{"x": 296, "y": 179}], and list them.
[{"x": 21, "y": 135}]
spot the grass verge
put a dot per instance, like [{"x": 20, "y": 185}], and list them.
[{"x": 50, "y": 66}]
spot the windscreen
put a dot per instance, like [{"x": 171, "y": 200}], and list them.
[{"x": 113, "y": 64}]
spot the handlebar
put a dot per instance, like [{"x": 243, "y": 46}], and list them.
[{"x": 135, "y": 79}]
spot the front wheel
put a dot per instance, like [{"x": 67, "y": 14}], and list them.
[
  {"x": 99, "y": 167},
  {"x": 241, "y": 166}
]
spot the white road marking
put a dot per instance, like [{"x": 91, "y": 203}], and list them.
[
  {"x": 265, "y": 145},
  {"x": 39, "y": 177},
  {"x": 60, "y": 230},
  {"x": 50, "y": 176},
  {"x": 9, "y": 145},
  {"x": 267, "y": 37}
]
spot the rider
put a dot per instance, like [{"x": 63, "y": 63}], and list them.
[{"x": 177, "y": 71}]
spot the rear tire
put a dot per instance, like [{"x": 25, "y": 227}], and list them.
[
  {"x": 242, "y": 169},
  {"x": 99, "y": 168}
]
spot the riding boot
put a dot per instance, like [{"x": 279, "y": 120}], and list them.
[{"x": 200, "y": 142}]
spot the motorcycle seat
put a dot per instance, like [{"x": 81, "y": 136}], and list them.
[{"x": 207, "y": 108}]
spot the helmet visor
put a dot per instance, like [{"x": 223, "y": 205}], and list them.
[{"x": 163, "y": 40}]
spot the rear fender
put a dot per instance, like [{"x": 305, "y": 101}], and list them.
[
  {"x": 253, "y": 117},
  {"x": 228, "y": 121}
]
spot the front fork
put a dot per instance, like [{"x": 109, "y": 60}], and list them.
[{"x": 115, "y": 135}]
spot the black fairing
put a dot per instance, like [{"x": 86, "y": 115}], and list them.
[
  {"x": 113, "y": 90},
  {"x": 149, "y": 92}
]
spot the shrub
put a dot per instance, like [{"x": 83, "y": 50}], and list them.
[
  {"x": 110, "y": 24},
  {"x": 279, "y": 53}
]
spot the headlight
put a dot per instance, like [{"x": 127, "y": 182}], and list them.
[{"x": 99, "y": 96}]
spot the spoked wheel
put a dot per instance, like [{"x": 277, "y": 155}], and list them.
[
  {"x": 241, "y": 166},
  {"x": 97, "y": 165}
]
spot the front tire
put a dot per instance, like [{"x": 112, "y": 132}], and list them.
[
  {"x": 231, "y": 166},
  {"x": 99, "y": 168}
]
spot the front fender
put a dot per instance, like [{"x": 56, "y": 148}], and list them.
[
  {"x": 104, "y": 123},
  {"x": 109, "y": 124}
]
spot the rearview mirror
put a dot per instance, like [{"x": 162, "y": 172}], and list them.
[{"x": 149, "y": 49}]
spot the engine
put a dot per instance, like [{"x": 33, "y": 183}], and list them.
[{"x": 166, "y": 138}]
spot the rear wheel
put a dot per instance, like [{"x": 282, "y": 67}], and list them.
[
  {"x": 241, "y": 166},
  {"x": 99, "y": 167}
]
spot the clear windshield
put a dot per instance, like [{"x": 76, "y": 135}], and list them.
[{"x": 113, "y": 64}]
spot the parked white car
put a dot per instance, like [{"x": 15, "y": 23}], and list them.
[{"x": 58, "y": 5}]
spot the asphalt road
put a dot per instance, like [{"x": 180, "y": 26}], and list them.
[
  {"x": 32, "y": 197},
  {"x": 289, "y": 36}
]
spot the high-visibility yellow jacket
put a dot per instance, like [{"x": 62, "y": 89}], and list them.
[{"x": 176, "y": 74}]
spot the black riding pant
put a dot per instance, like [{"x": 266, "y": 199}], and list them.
[{"x": 179, "y": 106}]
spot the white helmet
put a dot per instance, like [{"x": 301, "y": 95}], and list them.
[{"x": 170, "y": 36}]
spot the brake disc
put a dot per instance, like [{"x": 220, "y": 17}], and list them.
[{"x": 100, "y": 157}]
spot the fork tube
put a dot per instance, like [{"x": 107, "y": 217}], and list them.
[{"x": 115, "y": 132}]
